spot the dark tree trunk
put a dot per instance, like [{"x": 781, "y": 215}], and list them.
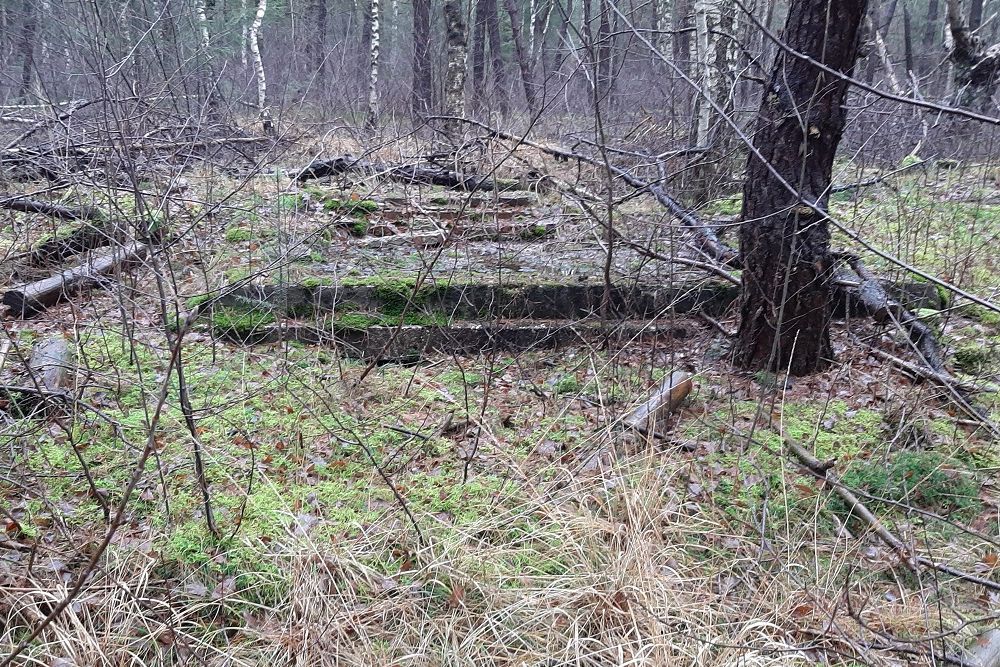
[
  {"x": 604, "y": 53},
  {"x": 28, "y": 48},
  {"x": 318, "y": 48},
  {"x": 932, "y": 33},
  {"x": 479, "y": 54},
  {"x": 908, "y": 41},
  {"x": 682, "y": 35},
  {"x": 496, "y": 54},
  {"x": 975, "y": 14},
  {"x": 523, "y": 57},
  {"x": 422, "y": 88},
  {"x": 563, "y": 13},
  {"x": 786, "y": 298}
]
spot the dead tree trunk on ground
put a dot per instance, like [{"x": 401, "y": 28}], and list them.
[
  {"x": 422, "y": 100},
  {"x": 786, "y": 304}
]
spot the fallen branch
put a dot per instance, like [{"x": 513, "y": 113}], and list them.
[
  {"x": 822, "y": 471},
  {"x": 707, "y": 240},
  {"x": 876, "y": 302},
  {"x": 31, "y": 298},
  {"x": 407, "y": 173},
  {"x": 25, "y": 205}
]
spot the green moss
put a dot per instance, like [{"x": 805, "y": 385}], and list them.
[
  {"x": 291, "y": 202},
  {"x": 568, "y": 384},
  {"x": 311, "y": 282},
  {"x": 732, "y": 205},
  {"x": 359, "y": 228},
  {"x": 535, "y": 232},
  {"x": 923, "y": 479},
  {"x": 238, "y": 234},
  {"x": 973, "y": 358},
  {"x": 362, "y": 320},
  {"x": 359, "y": 207},
  {"x": 196, "y": 301},
  {"x": 241, "y": 324},
  {"x": 439, "y": 200}
]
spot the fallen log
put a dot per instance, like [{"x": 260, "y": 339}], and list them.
[
  {"x": 50, "y": 363},
  {"x": 405, "y": 173},
  {"x": 31, "y": 298},
  {"x": 26, "y": 205},
  {"x": 871, "y": 296},
  {"x": 650, "y": 417}
]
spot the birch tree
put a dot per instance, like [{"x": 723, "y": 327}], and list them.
[
  {"x": 455, "y": 76},
  {"x": 258, "y": 67},
  {"x": 372, "y": 122}
]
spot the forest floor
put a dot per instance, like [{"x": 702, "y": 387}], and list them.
[{"x": 445, "y": 501}]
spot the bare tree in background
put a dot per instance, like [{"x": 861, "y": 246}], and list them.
[
  {"x": 422, "y": 87},
  {"x": 27, "y": 48},
  {"x": 785, "y": 243},
  {"x": 523, "y": 55},
  {"x": 372, "y": 120}
]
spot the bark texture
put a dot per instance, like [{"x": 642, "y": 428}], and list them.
[
  {"x": 975, "y": 67},
  {"x": 786, "y": 303},
  {"x": 522, "y": 54},
  {"x": 455, "y": 78},
  {"x": 373, "y": 52},
  {"x": 421, "y": 56}
]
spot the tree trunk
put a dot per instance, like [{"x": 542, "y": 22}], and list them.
[
  {"x": 908, "y": 42},
  {"x": 373, "y": 51},
  {"x": 706, "y": 20},
  {"x": 318, "y": 50},
  {"x": 682, "y": 37},
  {"x": 455, "y": 79},
  {"x": 496, "y": 54},
  {"x": 523, "y": 57},
  {"x": 975, "y": 69},
  {"x": 932, "y": 33},
  {"x": 564, "y": 14},
  {"x": 253, "y": 37},
  {"x": 786, "y": 298},
  {"x": 422, "y": 88},
  {"x": 975, "y": 14},
  {"x": 479, "y": 54},
  {"x": 27, "y": 48},
  {"x": 604, "y": 52}
]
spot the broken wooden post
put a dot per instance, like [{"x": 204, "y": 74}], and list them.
[
  {"x": 650, "y": 417},
  {"x": 985, "y": 652},
  {"x": 51, "y": 362},
  {"x": 28, "y": 299}
]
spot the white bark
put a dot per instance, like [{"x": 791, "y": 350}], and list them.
[
  {"x": 373, "y": 78},
  {"x": 706, "y": 17},
  {"x": 243, "y": 35},
  {"x": 258, "y": 65},
  {"x": 199, "y": 8}
]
